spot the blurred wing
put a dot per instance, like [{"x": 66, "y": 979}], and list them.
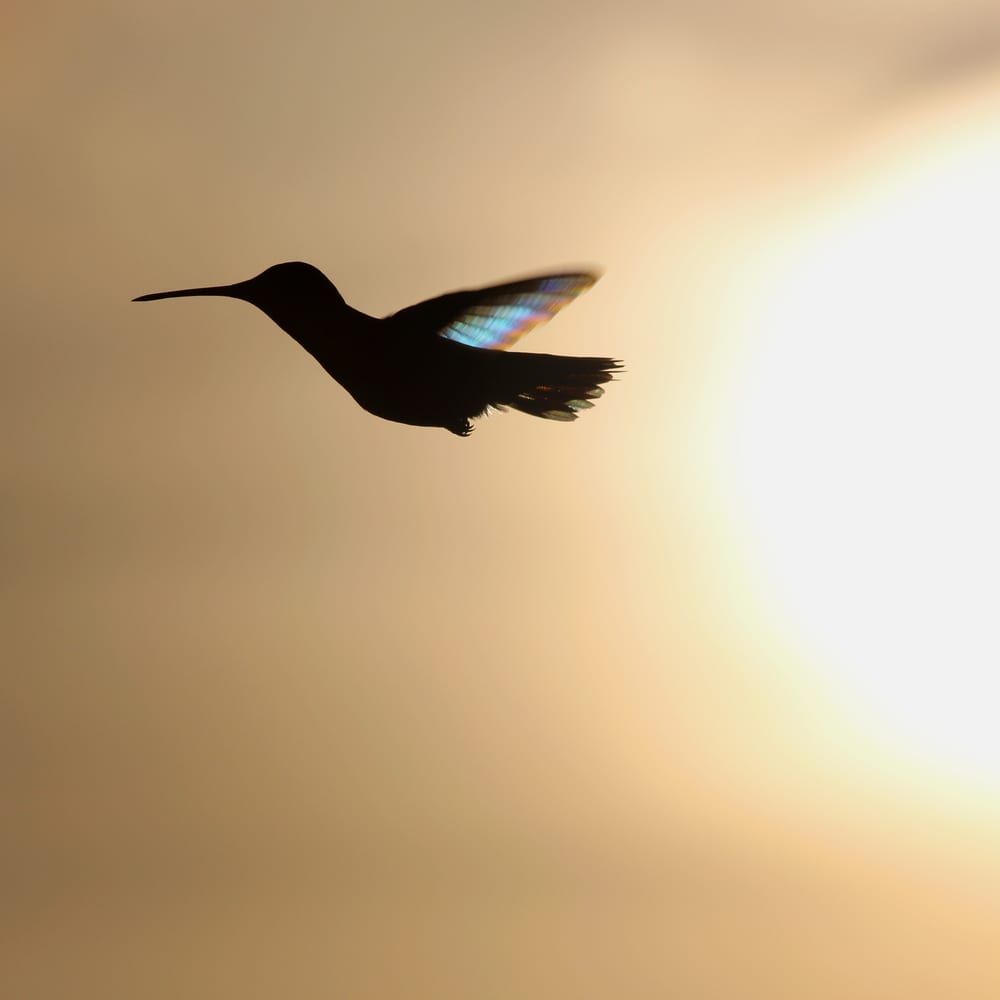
[
  {"x": 495, "y": 317},
  {"x": 501, "y": 315}
]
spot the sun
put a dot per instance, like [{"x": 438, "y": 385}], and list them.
[{"x": 863, "y": 449}]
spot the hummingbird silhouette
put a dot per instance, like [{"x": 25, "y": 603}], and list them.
[{"x": 440, "y": 363}]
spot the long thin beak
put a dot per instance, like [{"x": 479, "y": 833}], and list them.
[{"x": 233, "y": 291}]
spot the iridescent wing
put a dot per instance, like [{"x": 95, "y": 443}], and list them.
[
  {"x": 504, "y": 313},
  {"x": 496, "y": 317}
]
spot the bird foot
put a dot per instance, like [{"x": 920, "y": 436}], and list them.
[{"x": 463, "y": 429}]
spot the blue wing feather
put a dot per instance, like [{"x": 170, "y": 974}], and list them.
[{"x": 498, "y": 316}]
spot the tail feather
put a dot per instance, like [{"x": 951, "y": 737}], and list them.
[{"x": 550, "y": 386}]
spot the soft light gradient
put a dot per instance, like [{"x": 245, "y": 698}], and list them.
[{"x": 691, "y": 698}]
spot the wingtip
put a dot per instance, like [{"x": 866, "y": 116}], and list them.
[{"x": 587, "y": 277}]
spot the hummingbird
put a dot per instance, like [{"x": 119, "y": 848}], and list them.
[{"x": 439, "y": 363}]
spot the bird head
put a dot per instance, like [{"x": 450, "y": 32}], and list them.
[{"x": 285, "y": 292}]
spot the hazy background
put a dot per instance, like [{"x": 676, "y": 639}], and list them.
[{"x": 301, "y": 703}]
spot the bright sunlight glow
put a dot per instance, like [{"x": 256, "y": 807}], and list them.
[{"x": 864, "y": 444}]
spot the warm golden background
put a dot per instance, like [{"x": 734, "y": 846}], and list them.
[{"x": 695, "y": 698}]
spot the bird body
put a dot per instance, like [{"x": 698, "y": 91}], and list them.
[{"x": 439, "y": 363}]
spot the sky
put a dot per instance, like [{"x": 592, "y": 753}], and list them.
[{"x": 693, "y": 697}]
